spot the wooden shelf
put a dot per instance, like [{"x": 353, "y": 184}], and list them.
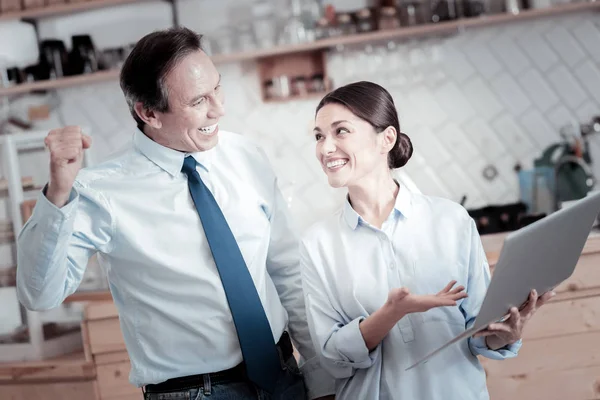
[
  {"x": 61, "y": 83},
  {"x": 308, "y": 96},
  {"x": 440, "y": 28},
  {"x": 64, "y": 368},
  {"x": 62, "y": 9},
  {"x": 425, "y": 30}
]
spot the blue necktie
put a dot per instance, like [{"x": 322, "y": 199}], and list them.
[{"x": 253, "y": 329}]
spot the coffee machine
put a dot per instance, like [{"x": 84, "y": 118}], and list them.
[{"x": 563, "y": 172}]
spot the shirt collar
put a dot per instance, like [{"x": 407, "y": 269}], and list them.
[
  {"x": 403, "y": 205},
  {"x": 168, "y": 159},
  {"x": 350, "y": 215},
  {"x": 404, "y": 201}
]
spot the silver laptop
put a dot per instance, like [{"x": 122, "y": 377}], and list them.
[{"x": 539, "y": 256}]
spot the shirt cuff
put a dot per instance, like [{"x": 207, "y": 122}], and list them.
[
  {"x": 44, "y": 208},
  {"x": 319, "y": 382},
  {"x": 351, "y": 344},
  {"x": 478, "y": 346}
]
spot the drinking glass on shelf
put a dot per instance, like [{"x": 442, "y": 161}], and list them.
[
  {"x": 222, "y": 41},
  {"x": 264, "y": 23},
  {"x": 379, "y": 61},
  {"x": 339, "y": 66},
  {"x": 293, "y": 31},
  {"x": 245, "y": 37},
  {"x": 299, "y": 25}
]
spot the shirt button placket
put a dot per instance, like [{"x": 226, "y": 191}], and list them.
[{"x": 405, "y": 324}]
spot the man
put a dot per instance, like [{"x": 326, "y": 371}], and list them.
[{"x": 192, "y": 231}]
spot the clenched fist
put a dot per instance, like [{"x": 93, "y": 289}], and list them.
[{"x": 66, "y": 147}]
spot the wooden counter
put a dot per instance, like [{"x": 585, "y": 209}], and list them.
[
  {"x": 560, "y": 357},
  {"x": 584, "y": 282},
  {"x": 71, "y": 377},
  {"x": 103, "y": 343},
  {"x": 100, "y": 372}
]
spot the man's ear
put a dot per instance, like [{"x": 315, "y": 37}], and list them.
[{"x": 150, "y": 117}]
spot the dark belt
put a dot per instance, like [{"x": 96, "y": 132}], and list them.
[{"x": 235, "y": 374}]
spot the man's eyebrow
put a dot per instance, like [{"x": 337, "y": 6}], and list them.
[{"x": 196, "y": 98}]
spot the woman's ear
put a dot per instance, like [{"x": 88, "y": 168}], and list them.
[
  {"x": 149, "y": 117},
  {"x": 389, "y": 136}
]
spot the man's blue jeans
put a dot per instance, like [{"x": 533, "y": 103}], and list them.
[{"x": 289, "y": 387}]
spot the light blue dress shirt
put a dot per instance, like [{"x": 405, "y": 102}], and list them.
[
  {"x": 135, "y": 211},
  {"x": 349, "y": 268}
]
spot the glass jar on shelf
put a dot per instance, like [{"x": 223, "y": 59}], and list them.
[
  {"x": 365, "y": 21},
  {"x": 269, "y": 89},
  {"x": 323, "y": 29},
  {"x": 294, "y": 29},
  {"x": 474, "y": 8},
  {"x": 311, "y": 12},
  {"x": 299, "y": 87},
  {"x": 299, "y": 22},
  {"x": 414, "y": 12},
  {"x": 388, "y": 18},
  {"x": 317, "y": 84},
  {"x": 345, "y": 24},
  {"x": 293, "y": 32},
  {"x": 444, "y": 10},
  {"x": 281, "y": 87}
]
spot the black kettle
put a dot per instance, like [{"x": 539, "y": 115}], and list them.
[{"x": 82, "y": 58}]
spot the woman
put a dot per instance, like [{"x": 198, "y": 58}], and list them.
[{"x": 370, "y": 270}]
